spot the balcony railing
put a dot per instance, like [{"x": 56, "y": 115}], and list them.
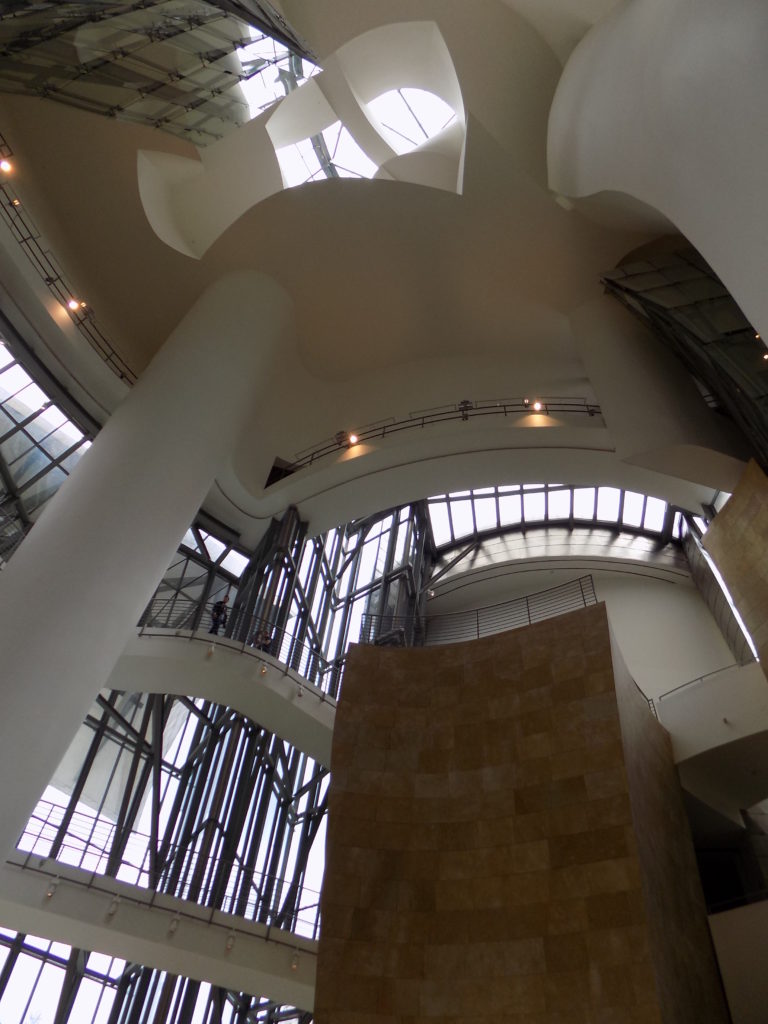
[{"x": 400, "y": 631}]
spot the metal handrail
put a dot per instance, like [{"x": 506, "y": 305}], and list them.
[
  {"x": 300, "y": 656},
  {"x": 462, "y": 410},
  {"x": 30, "y": 240},
  {"x": 454, "y": 627},
  {"x": 90, "y": 850}
]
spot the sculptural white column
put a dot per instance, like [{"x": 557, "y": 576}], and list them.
[{"x": 73, "y": 592}]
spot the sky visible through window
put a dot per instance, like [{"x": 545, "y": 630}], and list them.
[{"x": 410, "y": 117}]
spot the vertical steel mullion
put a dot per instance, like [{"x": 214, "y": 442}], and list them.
[
  {"x": 82, "y": 778},
  {"x": 128, "y": 805},
  {"x": 14, "y": 950},
  {"x": 158, "y": 721},
  {"x": 73, "y": 975}
]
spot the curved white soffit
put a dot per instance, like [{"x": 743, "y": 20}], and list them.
[
  {"x": 665, "y": 101},
  {"x": 190, "y": 203}
]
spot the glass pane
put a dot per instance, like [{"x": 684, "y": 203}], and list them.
[
  {"x": 559, "y": 504},
  {"x": 655, "y": 509},
  {"x": 608, "y": 499},
  {"x": 534, "y": 506},
  {"x": 509, "y": 509},
  {"x": 633, "y": 508},
  {"x": 485, "y": 513},
  {"x": 461, "y": 513},
  {"x": 235, "y": 563},
  {"x": 584, "y": 503}
]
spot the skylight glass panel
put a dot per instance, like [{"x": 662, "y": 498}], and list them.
[
  {"x": 485, "y": 513},
  {"x": 655, "y": 509},
  {"x": 534, "y": 506},
  {"x": 559, "y": 504},
  {"x": 214, "y": 547},
  {"x": 584, "y": 503},
  {"x": 409, "y": 117},
  {"x": 235, "y": 563},
  {"x": 510, "y": 509},
  {"x": 533, "y": 487},
  {"x": 608, "y": 500},
  {"x": 31, "y": 397},
  {"x": 13, "y": 380},
  {"x": 441, "y": 524},
  {"x": 509, "y": 489},
  {"x": 634, "y": 506},
  {"x": 461, "y": 514},
  {"x": 332, "y": 153},
  {"x": 272, "y": 71},
  {"x": 5, "y": 357}
]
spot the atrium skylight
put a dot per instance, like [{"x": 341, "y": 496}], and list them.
[
  {"x": 468, "y": 513},
  {"x": 331, "y": 154},
  {"x": 39, "y": 447},
  {"x": 408, "y": 117},
  {"x": 272, "y": 70}
]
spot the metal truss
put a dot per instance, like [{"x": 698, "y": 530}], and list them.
[
  {"x": 50, "y": 981},
  {"x": 157, "y": 62}
]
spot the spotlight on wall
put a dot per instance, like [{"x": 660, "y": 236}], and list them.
[
  {"x": 112, "y": 909},
  {"x": 52, "y": 885},
  {"x": 15, "y": 202},
  {"x": 75, "y": 304},
  {"x": 173, "y": 926},
  {"x": 295, "y": 962},
  {"x": 230, "y": 942},
  {"x": 526, "y": 402},
  {"x": 537, "y": 406},
  {"x": 344, "y": 438},
  {"x": 765, "y": 355},
  {"x": 263, "y": 670},
  {"x": 6, "y": 166}
]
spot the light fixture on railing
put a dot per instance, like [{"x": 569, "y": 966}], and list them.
[
  {"x": 300, "y": 692},
  {"x": 295, "y": 961},
  {"x": 73, "y": 305},
  {"x": 112, "y": 910},
  {"x": 345, "y": 438},
  {"x": 52, "y": 886},
  {"x": 263, "y": 669},
  {"x": 211, "y": 649},
  {"x": 174, "y": 924},
  {"x": 230, "y": 942},
  {"x": 537, "y": 406},
  {"x": 6, "y": 166}
]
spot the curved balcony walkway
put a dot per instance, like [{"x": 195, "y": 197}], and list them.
[{"x": 244, "y": 678}]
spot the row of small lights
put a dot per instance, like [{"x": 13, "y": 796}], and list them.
[
  {"x": 73, "y": 305},
  {"x": 345, "y": 439}
]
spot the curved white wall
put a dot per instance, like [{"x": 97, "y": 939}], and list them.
[{"x": 666, "y": 100}]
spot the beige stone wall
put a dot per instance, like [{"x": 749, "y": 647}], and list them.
[
  {"x": 481, "y": 859},
  {"x": 737, "y": 540}
]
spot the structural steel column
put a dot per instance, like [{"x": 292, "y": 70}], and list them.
[{"x": 73, "y": 592}]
